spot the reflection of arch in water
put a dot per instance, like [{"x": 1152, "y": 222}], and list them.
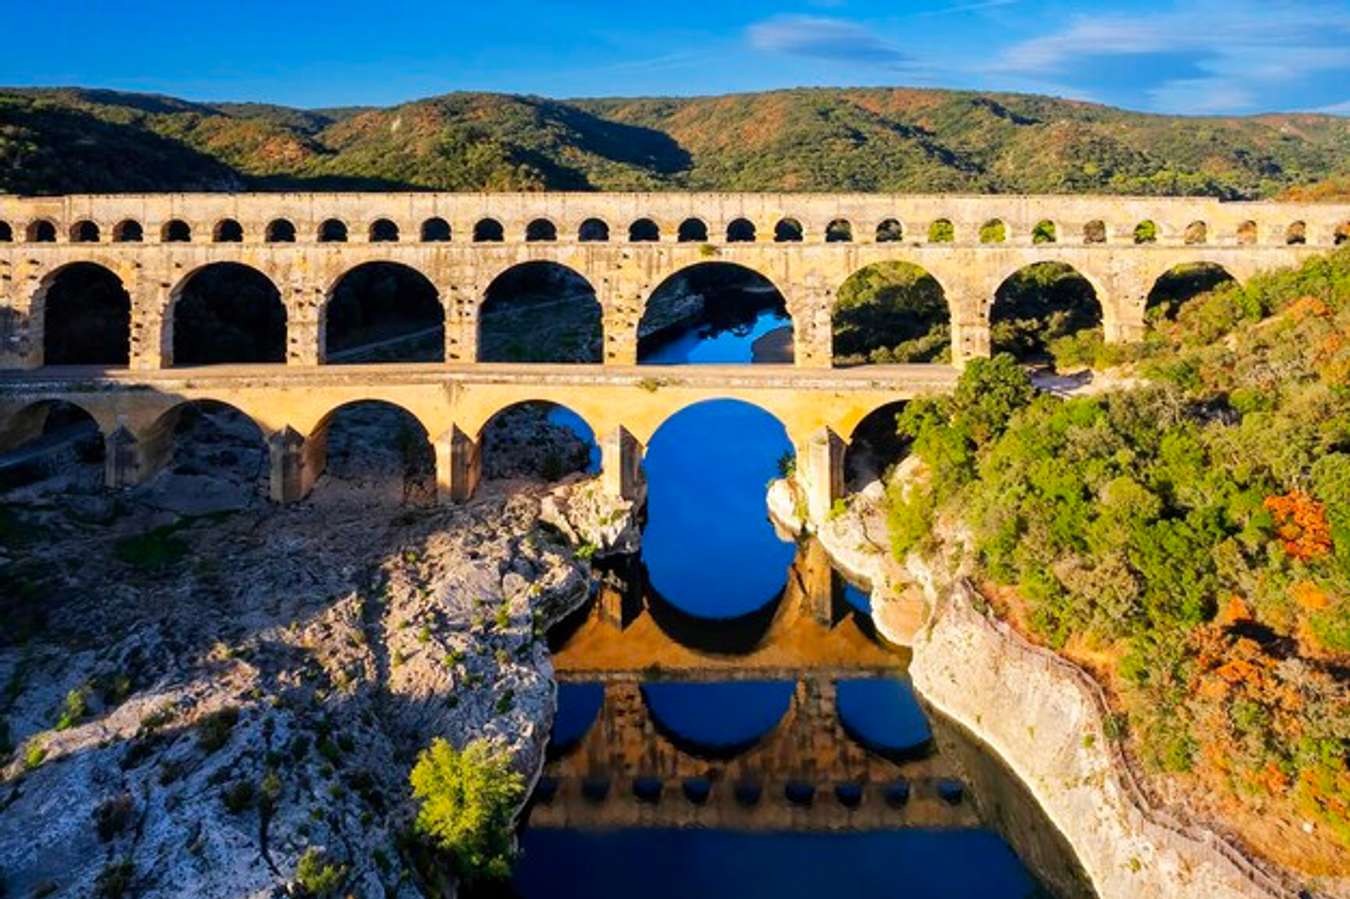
[
  {"x": 717, "y": 720},
  {"x": 883, "y": 716},
  {"x": 734, "y": 635},
  {"x": 578, "y": 708}
]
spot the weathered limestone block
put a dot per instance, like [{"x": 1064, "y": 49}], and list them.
[
  {"x": 292, "y": 469},
  {"x": 459, "y": 466}
]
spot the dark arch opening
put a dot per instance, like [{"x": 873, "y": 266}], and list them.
[
  {"x": 228, "y": 313},
  {"x": 715, "y": 312},
  {"x": 593, "y": 231},
  {"x": 839, "y": 231},
  {"x": 539, "y": 441},
  {"x": 54, "y": 442},
  {"x": 741, "y": 231},
  {"x": 384, "y": 312},
  {"x": 216, "y": 459},
  {"x": 84, "y": 232},
  {"x": 1044, "y": 232},
  {"x": 6, "y": 233},
  {"x": 228, "y": 231},
  {"x": 644, "y": 231},
  {"x": 1296, "y": 235},
  {"x": 176, "y": 231},
  {"x": 787, "y": 231},
  {"x": 874, "y": 447},
  {"x": 1181, "y": 284},
  {"x": 128, "y": 231},
  {"x": 374, "y": 452},
  {"x": 488, "y": 231},
  {"x": 1094, "y": 231},
  {"x": 692, "y": 231},
  {"x": 1041, "y": 305},
  {"x": 541, "y": 230},
  {"x": 280, "y": 231},
  {"x": 540, "y": 312},
  {"x": 333, "y": 231},
  {"x": 435, "y": 230},
  {"x": 890, "y": 231},
  {"x": 86, "y": 317},
  {"x": 383, "y": 231},
  {"x": 41, "y": 231},
  {"x": 891, "y": 312},
  {"x": 717, "y": 720}
]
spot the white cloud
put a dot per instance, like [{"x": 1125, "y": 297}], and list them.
[
  {"x": 1342, "y": 108},
  {"x": 823, "y": 37}
]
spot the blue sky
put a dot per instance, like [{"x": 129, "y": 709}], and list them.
[{"x": 1210, "y": 56}]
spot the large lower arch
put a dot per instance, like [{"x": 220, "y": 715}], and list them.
[
  {"x": 715, "y": 312},
  {"x": 204, "y": 456},
  {"x": 540, "y": 312},
  {"x": 51, "y": 440},
  {"x": 371, "y": 451},
  {"x": 537, "y": 440},
  {"x": 383, "y": 312},
  {"x": 226, "y": 312},
  {"x": 891, "y": 312},
  {"x": 874, "y": 446},
  {"x": 86, "y": 317},
  {"x": 1043, "y": 306},
  {"x": 1177, "y": 286}
]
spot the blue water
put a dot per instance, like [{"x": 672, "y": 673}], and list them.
[
  {"x": 858, "y": 598},
  {"x": 578, "y": 706},
  {"x": 565, "y": 417},
  {"x": 718, "y": 716},
  {"x": 708, "y": 547},
  {"x": 703, "y": 864},
  {"x": 882, "y": 713},
  {"x": 698, "y": 346}
]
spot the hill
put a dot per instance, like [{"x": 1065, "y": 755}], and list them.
[{"x": 64, "y": 140}]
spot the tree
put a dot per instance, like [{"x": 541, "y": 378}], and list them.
[{"x": 468, "y": 803}]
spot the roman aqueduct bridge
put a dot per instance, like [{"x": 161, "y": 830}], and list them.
[{"x": 625, "y": 246}]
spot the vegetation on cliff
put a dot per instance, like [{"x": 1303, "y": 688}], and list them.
[
  {"x": 468, "y": 803},
  {"x": 1188, "y": 539},
  {"x": 876, "y": 139}
]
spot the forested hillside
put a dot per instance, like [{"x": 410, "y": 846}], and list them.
[{"x": 883, "y": 139}]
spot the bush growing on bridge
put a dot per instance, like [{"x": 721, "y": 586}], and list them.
[{"x": 468, "y": 803}]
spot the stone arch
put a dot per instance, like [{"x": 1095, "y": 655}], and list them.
[
  {"x": 890, "y": 312},
  {"x": 1094, "y": 232},
  {"x": 890, "y": 231},
  {"x": 379, "y": 449},
  {"x": 435, "y": 230},
  {"x": 537, "y": 438},
  {"x": 225, "y": 312},
  {"x": 644, "y": 230},
  {"x": 511, "y": 327},
  {"x": 175, "y": 231},
  {"x": 1197, "y": 232},
  {"x": 381, "y": 309},
  {"x": 1341, "y": 235},
  {"x": 1296, "y": 234},
  {"x": 332, "y": 231},
  {"x": 741, "y": 290},
  {"x": 1177, "y": 285},
  {"x": 86, "y": 316},
  {"x": 788, "y": 230},
  {"x": 382, "y": 231},
  {"x": 873, "y": 446},
  {"x": 488, "y": 230},
  {"x": 740, "y": 230},
  {"x": 839, "y": 231},
  {"x": 593, "y": 230},
  {"x": 941, "y": 231},
  {"x": 541, "y": 230},
  {"x": 1038, "y": 303},
  {"x": 1044, "y": 231},
  {"x": 1146, "y": 231},
  {"x": 227, "y": 231},
  {"x": 84, "y": 231},
  {"x": 128, "y": 231},
  {"x": 6, "y": 232},
  {"x": 40, "y": 231},
  {"x": 994, "y": 231},
  {"x": 1246, "y": 233},
  {"x": 692, "y": 230},
  {"x": 280, "y": 231},
  {"x": 59, "y": 426},
  {"x": 206, "y": 436},
  {"x": 756, "y": 711}
]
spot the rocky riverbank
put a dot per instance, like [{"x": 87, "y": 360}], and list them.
[{"x": 195, "y": 703}]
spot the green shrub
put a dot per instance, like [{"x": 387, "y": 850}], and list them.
[
  {"x": 239, "y": 796},
  {"x": 213, "y": 730},
  {"x": 467, "y": 802},
  {"x": 317, "y": 875},
  {"x": 73, "y": 710},
  {"x": 115, "y": 879},
  {"x": 153, "y": 550}
]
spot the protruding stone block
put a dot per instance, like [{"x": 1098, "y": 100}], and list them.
[
  {"x": 459, "y": 467},
  {"x": 293, "y": 471},
  {"x": 621, "y": 466},
  {"x": 820, "y": 472}
]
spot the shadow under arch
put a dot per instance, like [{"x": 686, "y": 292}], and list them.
[
  {"x": 706, "y": 312},
  {"x": 717, "y": 720},
  {"x": 893, "y": 311},
  {"x": 540, "y": 311},
  {"x": 43, "y": 434},
  {"x": 1174, "y": 288},
  {"x": 537, "y": 439},
  {"x": 579, "y": 707},
  {"x": 86, "y": 316},
  {"x": 1042, "y": 302},
  {"x": 382, "y": 311},
  {"x": 226, "y": 312},
  {"x": 874, "y": 446},
  {"x": 378, "y": 449},
  {"x": 209, "y": 440}
]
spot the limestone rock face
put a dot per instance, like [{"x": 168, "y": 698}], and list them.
[{"x": 588, "y": 516}]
